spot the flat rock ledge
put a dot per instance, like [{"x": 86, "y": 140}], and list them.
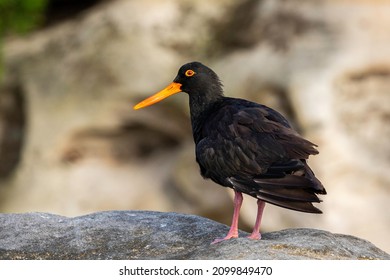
[{"x": 156, "y": 235}]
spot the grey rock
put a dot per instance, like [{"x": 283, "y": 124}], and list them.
[{"x": 158, "y": 235}]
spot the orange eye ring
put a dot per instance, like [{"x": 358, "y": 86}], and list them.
[{"x": 190, "y": 73}]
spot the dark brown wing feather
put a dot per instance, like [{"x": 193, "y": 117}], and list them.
[{"x": 253, "y": 149}]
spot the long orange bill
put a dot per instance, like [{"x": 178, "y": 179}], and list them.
[{"x": 168, "y": 91}]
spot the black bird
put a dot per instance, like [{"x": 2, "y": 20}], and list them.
[{"x": 245, "y": 146}]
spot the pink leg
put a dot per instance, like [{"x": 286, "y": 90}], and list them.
[
  {"x": 256, "y": 229},
  {"x": 233, "y": 232}
]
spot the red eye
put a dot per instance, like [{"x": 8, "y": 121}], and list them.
[{"x": 190, "y": 73}]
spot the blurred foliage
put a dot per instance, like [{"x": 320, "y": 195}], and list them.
[{"x": 20, "y": 16}]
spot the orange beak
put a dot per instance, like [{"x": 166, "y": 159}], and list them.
[{"x": 168, "y": 91}]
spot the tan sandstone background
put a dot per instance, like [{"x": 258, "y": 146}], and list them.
[{"x": 70, "y": 142}]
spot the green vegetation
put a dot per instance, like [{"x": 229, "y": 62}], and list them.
[{"x": 20, "y": 16}]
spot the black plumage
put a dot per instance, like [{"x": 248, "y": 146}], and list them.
[{"x": 246, "y": 146}]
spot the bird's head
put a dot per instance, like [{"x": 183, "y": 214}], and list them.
[{"x": 193, "y": 78}]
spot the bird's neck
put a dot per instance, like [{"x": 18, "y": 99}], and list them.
[{"x": 200, "y": 107}]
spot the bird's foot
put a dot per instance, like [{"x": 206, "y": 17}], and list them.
[
  {"x": 227, "y": 237},
  {"x": 255, "y": 236}
]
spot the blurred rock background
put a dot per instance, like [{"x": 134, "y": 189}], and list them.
[{"x": 71, "y": 144}]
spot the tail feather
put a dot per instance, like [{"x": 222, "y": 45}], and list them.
[
  {"x": 288, "y": 180},
  {"x": 292, "y": 191},
  {"x": 316, "y": 184},
  {"x": 301, "y": 206},
  {"x": 289, "y": 187},
  {"x": 299, "y": 195}
]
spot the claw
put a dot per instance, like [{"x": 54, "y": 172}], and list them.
[
  {"x": 227, "y": 237},
  {"x": 255, "y": 236}
]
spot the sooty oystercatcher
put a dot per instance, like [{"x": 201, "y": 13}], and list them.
[{"x": 245, "y": 146}]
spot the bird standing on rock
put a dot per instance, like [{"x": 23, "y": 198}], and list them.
[{"x": 245, "y": 146}]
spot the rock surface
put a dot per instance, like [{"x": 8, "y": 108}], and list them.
[{"x": 157, "y": 235}]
